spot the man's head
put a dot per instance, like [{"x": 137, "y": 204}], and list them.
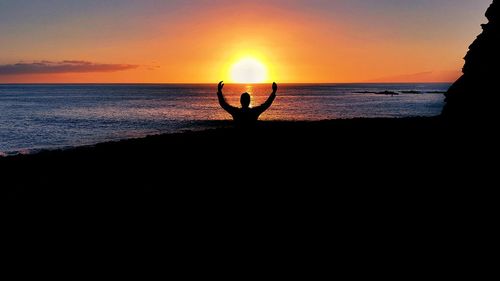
[{"x": 245, "y": 100}]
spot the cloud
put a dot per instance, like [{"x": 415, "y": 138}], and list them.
[{"x": 66, "y": 66}]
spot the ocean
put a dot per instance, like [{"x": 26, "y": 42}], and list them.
[{"x": 49, "y": 116}]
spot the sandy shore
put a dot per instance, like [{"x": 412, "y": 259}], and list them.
[
  {"x": 360, "y": 165},
  {"x": 371, "y": 181},
  {"x": 274, "y": 154}
]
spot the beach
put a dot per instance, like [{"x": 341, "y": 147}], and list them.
[
  {"x": 75, "y": 144},
  {"x": 363, "y": 184},
  {"x": 271, "y": 158}
]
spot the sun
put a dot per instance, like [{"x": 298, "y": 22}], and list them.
[{"x": 248, "y": 70}]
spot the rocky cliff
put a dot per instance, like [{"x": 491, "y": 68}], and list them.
[{"x": 475, "y": 94}]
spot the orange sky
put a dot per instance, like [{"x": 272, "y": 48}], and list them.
[{"x": 298, "y": 41}]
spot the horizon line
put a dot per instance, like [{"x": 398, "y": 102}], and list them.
[{"x": 208, "y": 83}]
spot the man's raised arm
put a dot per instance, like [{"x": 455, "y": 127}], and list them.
[
  {"x": 269, "y": 100},
  {"x": 222, "y": 101}
]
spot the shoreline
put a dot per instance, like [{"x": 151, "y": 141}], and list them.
[
  {"x": 363, "y": 136},
  {"x": 229, "y": 166},
  {"x": 217, "y": 125}
]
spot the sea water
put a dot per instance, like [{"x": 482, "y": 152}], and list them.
[{"x": 48, "y": 116}]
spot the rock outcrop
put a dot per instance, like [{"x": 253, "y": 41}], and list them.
[{"x": 475, "y": 95}]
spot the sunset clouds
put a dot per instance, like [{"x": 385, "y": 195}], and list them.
[{"x": 67, "y": 66}]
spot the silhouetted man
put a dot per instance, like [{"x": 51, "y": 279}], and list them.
[{"x": 245, "y": 116}]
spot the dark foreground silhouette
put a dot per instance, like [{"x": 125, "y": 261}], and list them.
[
  {"x": 293, "y": 155},
  {"x": 353, "y": 188},
  {"x": 245, "y": 116}
]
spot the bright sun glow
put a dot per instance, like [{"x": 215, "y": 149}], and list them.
[{"x": 248, "y": 70}]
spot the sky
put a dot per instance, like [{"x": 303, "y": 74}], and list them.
[{"x": 197, "y": 41}]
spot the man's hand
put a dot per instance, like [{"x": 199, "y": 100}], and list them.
[
  {"x": 221, "y": 85},
  {"x": 275, "y": 87}
]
